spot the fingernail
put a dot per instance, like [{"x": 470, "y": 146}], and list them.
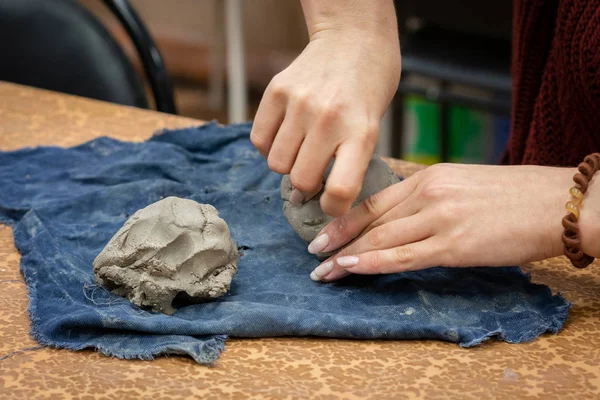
[
  {"x": 321, "y": 271},
  {"x": 318, "y": 244},
  {"x": 347, "y": 261},
  {"x": 296, "y": 198}
]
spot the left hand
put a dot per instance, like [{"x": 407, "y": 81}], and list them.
[
  {"x": 329, "y": 102},
  {"x": 451, "y": 215}
]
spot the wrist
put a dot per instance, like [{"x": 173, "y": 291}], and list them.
[
  {"x": 364, "y": 19},
  {"x": 589, "y": 220},
  {"x": 553, "y": 196}
]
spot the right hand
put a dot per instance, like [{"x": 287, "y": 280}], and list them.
[
  {"x": 456, "y": 215},
  {"x": 329, "y": 103}
]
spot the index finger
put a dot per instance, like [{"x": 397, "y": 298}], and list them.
[
  {"x": 345, "y": 180},
  {"x": 346, "y": 228},
  {"x": 268, "y": 119}
]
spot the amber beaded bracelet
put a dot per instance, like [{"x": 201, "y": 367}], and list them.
[{"x": 570, "y": 237}]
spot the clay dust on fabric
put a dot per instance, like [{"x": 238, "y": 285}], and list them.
[{"x": 65, "y": 205}]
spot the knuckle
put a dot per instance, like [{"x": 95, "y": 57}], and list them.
[
  {"x": 258, "y": 142},
  {"x": 304, "y": 183},
  {"x": 449, "y": 211},
  {"x": 434, "y": 189},
  {"x": 403, "y": 256},
  {"x": 332, "y": 110},
  {"x": 279, "y": 166},
  {"x": 301, "y": 99},
  {"x": 328, "y": 112},
  {"x": 374, "y": 262},
  {"x": 342, "y": 192},
  {"x": 376, "y": 237},
  {"x": 277, "y": 88},
  {"x": 367, "y": 139},
  {"x": 325, "y": 118},
  {"x": 370, "y": 133},
  {"x": 372, "y": 204},
  {"x": 444, "y": 214},
  {"x": 337, "y": 105}
]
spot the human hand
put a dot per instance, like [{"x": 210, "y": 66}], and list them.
[
  {"x": 330, "y": 100},
  {"x": 457, "y": 216}
]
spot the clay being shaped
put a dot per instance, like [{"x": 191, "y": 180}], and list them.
[
  {"x": 308, "y": 219},
  {"x": 174, "y": 249}
]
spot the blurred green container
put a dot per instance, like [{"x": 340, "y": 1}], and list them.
[
  {"x": 421, "y": 129},
  {"x": 470, "y": 132}
]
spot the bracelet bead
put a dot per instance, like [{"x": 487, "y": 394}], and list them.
[
  {"x": 570, "y": 236},
  {"x": 575, "y": 192},
  {"x": 572, "y": 208}
]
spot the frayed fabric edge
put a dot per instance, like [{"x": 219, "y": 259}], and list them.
[
  {"x": 211, "y": 350},
  {"x": 217, "y": 345}
]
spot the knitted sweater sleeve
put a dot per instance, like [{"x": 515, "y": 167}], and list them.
[{"x": 556, "y": 82}]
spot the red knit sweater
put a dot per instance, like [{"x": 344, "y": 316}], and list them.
[{"x": 556, "y": 82}]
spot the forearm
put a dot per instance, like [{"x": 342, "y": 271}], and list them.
[{"x": 351, "y": 16}]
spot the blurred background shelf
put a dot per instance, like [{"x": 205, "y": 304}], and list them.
[
  {"x": 453, "y": 103},
  {"x": 455, "y": 89}
]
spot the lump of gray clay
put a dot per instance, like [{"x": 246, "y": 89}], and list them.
[
  {"x": 172, "y": 248},
  {"x": 308, "y": 219}
]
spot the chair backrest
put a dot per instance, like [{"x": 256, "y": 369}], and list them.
[
  {"x": 152, "y": 60},
  {"x": 58, "y": 45}
]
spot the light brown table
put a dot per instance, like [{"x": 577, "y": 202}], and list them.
[{"x": 554, "y": 366}]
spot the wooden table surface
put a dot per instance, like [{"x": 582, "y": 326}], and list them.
[{"x": 553, "y": 366}]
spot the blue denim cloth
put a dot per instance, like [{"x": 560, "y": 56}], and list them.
[{"x": 65, "y": 204}]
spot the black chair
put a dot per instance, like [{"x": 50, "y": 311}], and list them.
[
  {"x": 455, "y": 58},
  {"x": 59, "y": 45}
]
